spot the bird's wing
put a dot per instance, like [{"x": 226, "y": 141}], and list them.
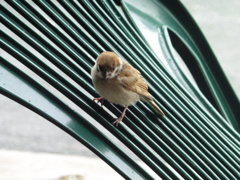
[{"x": 132, "y": 80}]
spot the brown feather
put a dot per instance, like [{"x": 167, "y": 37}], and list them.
[
  {"x": 137, "y": 84},
  {"x": 132, "y": 80},
  {"x": 157, "y": 109}
]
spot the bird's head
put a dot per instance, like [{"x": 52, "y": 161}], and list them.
[{"x": 108, "y": 65}]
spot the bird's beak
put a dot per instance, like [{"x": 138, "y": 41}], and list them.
[{"x": 108, "y": 75}]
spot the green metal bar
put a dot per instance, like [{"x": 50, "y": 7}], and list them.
[
  {"x": 123, "y": 23},
  {"x": 174, "y": 95},
  {"x": 162, "y": 148},
  {"x": 194, "y": 139},
  {"x": 47, "y": 50},
  {"x": 128, "y": 29},
  {"x": 165, "y": 83},
  {"x": 193, "y": 144},
  {"x": 70, "y": 28},
  {"x": 78, "y": 97},
  {"x": 201, "y": 48},
  {"x": 61, "y": 115},
  {"x": 101, "y": 18},
  {"x": 51, "y": 32}
]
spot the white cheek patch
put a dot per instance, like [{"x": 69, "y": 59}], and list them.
[
  {"x": 119, "y": 68},
  {"x": 116, "y": 71},
  {"x": 121, "y": 63}
]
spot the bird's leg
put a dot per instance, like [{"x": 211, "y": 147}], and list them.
[
  {"x": 119, "y": 119},
  {"x": 100, "y": 99}
]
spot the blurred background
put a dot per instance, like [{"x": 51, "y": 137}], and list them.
[{"x": 23, "y": 130}]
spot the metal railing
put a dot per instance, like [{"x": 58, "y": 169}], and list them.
[{"x": 58, "y": 41}]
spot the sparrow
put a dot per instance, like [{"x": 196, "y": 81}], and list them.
[{"x": 118, "y": 82}]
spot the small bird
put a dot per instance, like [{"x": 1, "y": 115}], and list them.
[{"x": 118, "y": 82}]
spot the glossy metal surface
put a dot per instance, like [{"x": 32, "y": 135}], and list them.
[{"x": 59, "y": 42}]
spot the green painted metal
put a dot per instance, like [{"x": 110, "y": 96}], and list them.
[
  {"x": 198, "y": 139},
  {"x": 28, "y": 92}
]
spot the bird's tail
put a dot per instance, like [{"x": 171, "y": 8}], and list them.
[{"x": 153, "y": 104}]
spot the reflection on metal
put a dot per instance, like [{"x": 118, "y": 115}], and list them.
[{"x": 50, "y": 46}]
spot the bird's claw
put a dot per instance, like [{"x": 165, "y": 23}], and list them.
[
  {"x": 117, "y": 121},
  {"x": 99, "y": 100}
]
